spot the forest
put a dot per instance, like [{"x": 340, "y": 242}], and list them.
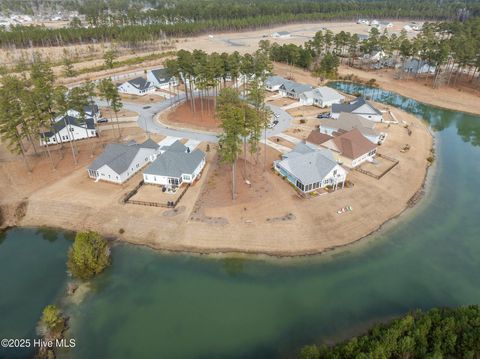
[
  {"x": 438, "y": 333},
  {"x": 128, "y": 23},
  {"x": 453, "y": 48}
]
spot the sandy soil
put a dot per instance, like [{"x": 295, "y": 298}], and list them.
[
  {"x": 107, "y": 112},
  {"x": 143, "y": 100},
  {"x": 183, "y": 116},
  {"x": 255, "y": 222}
]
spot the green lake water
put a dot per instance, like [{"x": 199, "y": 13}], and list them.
[{"x": 153, "y": 305}]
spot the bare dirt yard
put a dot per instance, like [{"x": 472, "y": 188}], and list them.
[
  {"x": 267, "y": 216},
  {"x": 122, "y": 115},
  {"x": 143, "y": 100},
  {"x": 184, "y": 115}
]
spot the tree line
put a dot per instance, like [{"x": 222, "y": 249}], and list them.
[
  {"x": 453, "y": 48},
  {"x": 31, "y": 102},
  {"x": 186, "y": 18},
  {"x": 438, "y": 333},
  {"x": 236, "y": 84}
]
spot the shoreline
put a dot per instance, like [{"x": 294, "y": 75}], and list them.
[
  {"x": 425, "y": 190},
  {"x": 185, "y": 229}
]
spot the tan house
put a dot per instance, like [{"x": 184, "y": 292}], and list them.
[{"x": 350, "y": 148}]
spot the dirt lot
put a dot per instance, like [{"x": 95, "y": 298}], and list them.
[
  {"x": 108, "y": 113},
  {"x": 146, "y": 99},
  {"x": 267, "y": 216},
  {"x": 184, "y": 116}
]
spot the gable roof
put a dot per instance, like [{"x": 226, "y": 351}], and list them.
[
  {"x": 275, "y": 80},
  {"x": 161, "y": 75},
  {"x": 324, "y": 93},
  {"x": 66, "y": 120},
  {"x": 353, "y": 144},
  {"x": 317, "y": 138},
  {"x": 348, "y": 121},
  {"x": 292, "y": 86},
  {"x": 352, "y": 106},
  {"x": 175, "y": 163},
  {"x": 119, "y": 156},
  {"x": 177, "y": 146},
  {"x": 140, "y": 83},
  {"x": 309, "y": 167}
]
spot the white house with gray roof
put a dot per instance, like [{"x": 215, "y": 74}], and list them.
[
  {"x": 174, "y": 166},
  {"x": 293, "y": 89},
  {"x": 359, "y": 107},
  {"x": 68, "y": 128},
  {"x": 160, "y": 78},
  {"x": 347, "y": 122},
  {"x": 120, "y": 161},
  {"x": 281, "y": 35},
  {"x": 137, "y": 86},
  {"x": 273, "y": 83},
  {"x": 322, "y": 97},
  {"x": 309, "y": 168}
]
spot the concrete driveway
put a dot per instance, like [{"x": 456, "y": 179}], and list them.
[{"x": 147, "y": 113}]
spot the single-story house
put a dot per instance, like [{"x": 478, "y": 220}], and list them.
[
  {"x": 160, "y": 78},
  {"x": 68, "y": 128},
  {"x": 309, "y": 168},
  {"x": 359, "y": 107},
  {"x": 176, "y": 165},
  {"x": 273, "y": 83},
  {"x": 90, "y": 111},
  {"x": 293, "y": 89},
  {"x": 281, "y": 34},
  {"x": 418, "y": 67},
  {"x": 350, "y": 148},
  {"x": 120, "y": 161},
  {"x": 375, "y": 56},
  {"x": 386, "y": 24},
  {"x": 321, "y": 96},
  {"x": 349, "y": 121},
  {"x": 138, "y": 86},
  {"x": 362, "y": 37}
]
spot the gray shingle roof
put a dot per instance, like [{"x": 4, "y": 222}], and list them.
[
  {"x": 349, "y": 121},
  {"x": 352, "y": 106},
  {"x": 292, "y": 86},
  {"x": 275, "y": 80},
  {"x": 119, "y": 156},
  {"x": 140, "y": 83},
  {"x": 177, "y": 146},
  {"x": 310, "y": 167},
  {"x": 324, "y": 93},
  {"x": 162, "y": 75},
  {"x": 69, "y": 120},
  {"x": 175, "y": 163}
]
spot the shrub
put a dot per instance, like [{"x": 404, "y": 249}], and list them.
[
  {"x": 53, "y": 320},
  {"x": 88, "y": 256}
]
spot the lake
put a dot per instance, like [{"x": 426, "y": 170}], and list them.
[{"x": 154, "y": 305}]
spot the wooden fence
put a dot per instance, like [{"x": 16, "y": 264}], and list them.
[
  {"x": 169, "y": 204},
  {"x": 378, "y": 176}
]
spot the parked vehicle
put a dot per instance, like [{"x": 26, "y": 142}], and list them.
[
  {"x": 102, "y": 120},
  {"x": 146, "y": 107},
  {"x": 324, "y": 115}
]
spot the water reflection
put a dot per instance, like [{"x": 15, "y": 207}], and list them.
[{"x": 468, "y": 126}]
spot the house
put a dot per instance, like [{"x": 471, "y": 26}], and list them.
[
  {"x": 273, "y": 83},
  {"x": 350, "y": 148},
  {"x": 362, "y": 37},
  {"x": 138, "y": 86},
  {"x": 68, "y": 128},
  {"x": 358, "y": 107},
  {"x": 281, "y": 34},
  {"x": 174, "y": 166},
  {"x": 418, "y": 67},
  {"x": 375, "y": 56},
  {"x": 386, "y": 24},
  {"x": 309, "y": 168},
  {"x": 120, "y": 161},
  {"x": 347, "y": 122},
  {"x": 321, "y": 96},
  {"x": 293, "y": 89},
  {"x": 374, "y": 23},
  {"x": 90, "y": 111},
  {"x": 160, "y": 78}
]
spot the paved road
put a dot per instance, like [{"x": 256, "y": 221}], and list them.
[{"x": 146, "y": 119}]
